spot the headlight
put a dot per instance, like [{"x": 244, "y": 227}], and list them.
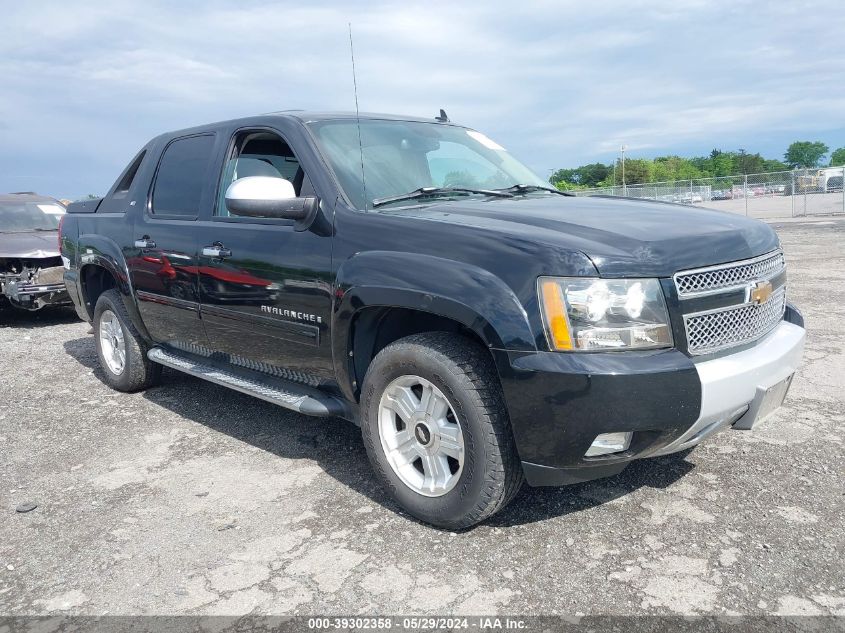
[{"x": 588, "y": 314}]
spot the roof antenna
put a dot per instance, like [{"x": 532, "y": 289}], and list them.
[
  {"x": 357, "y": 117},
  {"x": 442, "y": 118}
]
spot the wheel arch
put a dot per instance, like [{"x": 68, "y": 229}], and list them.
[
  {"x": 94, "y": 280},
  {"x": 384, "y": 296},
  {"x": 101, "y": 267}
]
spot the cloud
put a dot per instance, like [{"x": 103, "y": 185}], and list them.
[{"x": 558, "y": 83}]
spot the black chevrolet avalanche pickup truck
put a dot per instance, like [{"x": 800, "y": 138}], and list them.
[{"x": 411, "y": 276}]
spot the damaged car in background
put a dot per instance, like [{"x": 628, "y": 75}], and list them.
[{"x": 30, "y": 265}]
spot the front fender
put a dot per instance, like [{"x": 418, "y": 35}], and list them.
[{"x": 464, "y": 293}]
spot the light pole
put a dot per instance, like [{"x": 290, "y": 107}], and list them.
[{"x": 624, "y": 188}]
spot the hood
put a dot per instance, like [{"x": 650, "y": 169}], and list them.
[
  {"x": 622, "y": 237},
  {"x": 32, "y": 245}
]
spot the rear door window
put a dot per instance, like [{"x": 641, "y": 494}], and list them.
[{"x": 182, "y": 176}]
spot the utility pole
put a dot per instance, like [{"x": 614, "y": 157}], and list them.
[
  {"x": 843, "y": 189},
  {"x": 742, "y": 161},
  {"x": 613, "y": 188},
  {"x": 745, "y": 192},
  {"x": 624, "y": 188},
  {"x": 792, "y": 192}
]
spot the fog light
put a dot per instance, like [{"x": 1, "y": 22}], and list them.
[{"x": 607, "y": 443}]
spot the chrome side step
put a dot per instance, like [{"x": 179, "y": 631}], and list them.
[{"x": 287, "y": 394}]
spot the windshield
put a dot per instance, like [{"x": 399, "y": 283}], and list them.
[
  {"x": 20, "y": 217},
  {"x": 402, "y": 156}
]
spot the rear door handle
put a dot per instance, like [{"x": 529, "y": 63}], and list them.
[
  {"x": 217, "y": 251},
  {"x": 145, "y": 242}
]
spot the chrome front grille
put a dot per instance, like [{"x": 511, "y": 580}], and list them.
[
  {"x": 724, "y": 277},
  {"x": 732, "y": 325},
  {"x": 720, "y": 329}
]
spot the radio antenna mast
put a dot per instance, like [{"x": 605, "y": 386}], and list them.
[{"x": 357, "y": 118}]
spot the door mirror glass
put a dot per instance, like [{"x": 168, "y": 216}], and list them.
[{"x": 266, "y": 197}]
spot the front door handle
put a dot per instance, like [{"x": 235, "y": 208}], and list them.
[
  {"x": 145, "y": 242},
  {"x": 216, "y": 250}
]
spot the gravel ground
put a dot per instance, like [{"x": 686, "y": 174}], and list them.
[{"x": 191, "y": 499}]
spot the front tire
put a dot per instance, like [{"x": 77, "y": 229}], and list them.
[
  {"x": 437, "y": 432},
  {"x": 121, "y": 350}
]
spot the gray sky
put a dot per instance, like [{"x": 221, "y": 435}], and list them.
[{"x": 84, "y": 85}]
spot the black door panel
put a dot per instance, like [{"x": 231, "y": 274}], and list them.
[
  {"x": 166, "y": 283},
  {"x": 270, "y": 301},
  {"x": 263, "y": 326}
]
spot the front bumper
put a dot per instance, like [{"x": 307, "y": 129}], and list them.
[
  {"x": 558, "y": 403},
  {"x": 732, "y": 387}
]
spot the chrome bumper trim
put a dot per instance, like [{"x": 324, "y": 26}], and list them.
[{"x": 730, "y": 384}]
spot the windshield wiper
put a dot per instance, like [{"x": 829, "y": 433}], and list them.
[
  {"x": 522, "y": 188},
  {"x": 431, "y": 192}
]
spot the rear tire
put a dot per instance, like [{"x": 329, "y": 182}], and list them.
[
  {"x": 453, "y": 469},
  {"x": 121, "y": 350}
]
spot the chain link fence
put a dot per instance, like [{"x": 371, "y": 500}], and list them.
[{"x": 779, "y": 194}]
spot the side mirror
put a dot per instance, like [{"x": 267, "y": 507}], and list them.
[{"x": 267, "y": 197}]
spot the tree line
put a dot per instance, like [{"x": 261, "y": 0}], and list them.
[{"x": 800, "y": 154}]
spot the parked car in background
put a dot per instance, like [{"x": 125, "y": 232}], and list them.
[
  {"x": 691, "y": 198},
  {"x": 834, "y": 183},
  {"x": 30, "y": 266}
]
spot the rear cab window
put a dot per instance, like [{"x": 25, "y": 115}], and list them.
[
  {"x": 116, "y": 200},
  {"x": 124, "y": 183}
]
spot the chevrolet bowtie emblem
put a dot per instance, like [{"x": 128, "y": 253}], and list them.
[{"x": 760, "y": 292}]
